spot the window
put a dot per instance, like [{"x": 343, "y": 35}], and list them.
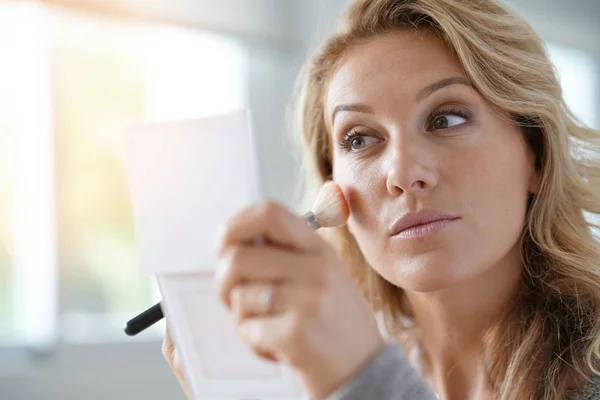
[
  {"x": 6, "y": 171},
  {"x": 578, "y": 73},
  {"x": 68, "y": 259}
]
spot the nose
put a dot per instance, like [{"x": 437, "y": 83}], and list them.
[{"x": 411, "y": 168}]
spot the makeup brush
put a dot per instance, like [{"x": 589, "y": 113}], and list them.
[{"x": 329, "y": 210}]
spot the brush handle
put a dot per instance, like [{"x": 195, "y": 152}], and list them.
[
  {"x": 147, "y": 318},
  {"x": 144, "y": 320}
]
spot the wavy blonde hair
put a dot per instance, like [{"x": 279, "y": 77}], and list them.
[{"x": 548, "y": 341}]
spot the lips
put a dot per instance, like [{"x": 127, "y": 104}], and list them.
[{"x": 421, "y": 218}]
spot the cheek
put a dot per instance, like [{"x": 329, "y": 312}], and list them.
[
  {"x": 501, "y": 178},
  {"x": 362, "y": 184},
  {"x": 495, "y": 196}
]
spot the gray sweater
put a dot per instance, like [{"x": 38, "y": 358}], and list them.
[{"x": 389, "y": 376}]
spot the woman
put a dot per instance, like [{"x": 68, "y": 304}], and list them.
[{"x": 467, "y": 180}]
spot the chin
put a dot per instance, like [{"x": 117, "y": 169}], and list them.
[{"x": 427, "y": 273}]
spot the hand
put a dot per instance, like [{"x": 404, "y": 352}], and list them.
[
  {"x": 169, "y": 352},
  {"x": 316, "y": 321}
]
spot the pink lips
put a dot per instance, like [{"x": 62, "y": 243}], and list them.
[{"x": 423, "y": 223}]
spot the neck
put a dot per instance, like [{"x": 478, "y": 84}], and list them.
[{"x": 453, "y": 321}]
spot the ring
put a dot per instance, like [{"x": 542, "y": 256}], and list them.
[{"x": 265, "y": 298}]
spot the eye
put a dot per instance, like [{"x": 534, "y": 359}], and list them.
[
  {"x": 448, "y": 121},
  {"x": 358, "y": 142},
  {"x": 445, "y": 119},
  {"x": 355, "y": 141}
]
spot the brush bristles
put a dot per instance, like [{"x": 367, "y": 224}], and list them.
[{"x": 330, "y": 207}]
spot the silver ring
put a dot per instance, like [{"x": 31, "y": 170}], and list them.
[{"x": 265, "y": 298}]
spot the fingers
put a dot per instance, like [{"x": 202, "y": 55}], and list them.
[
  {"x": 274, "y": 290},
  {"x": 272, "y": 222},
  {"x": 263, "y": 264},
  {"x": 168, "y": 349},
  {"x": 261, "y": 334},
  {"x": 248, "y": 300},
  {"x": 273, "y": 330},
  {"x": 281, "y": 336},
  {"x": 264, "y": 355},
  {"x": 170, "y": 354}
]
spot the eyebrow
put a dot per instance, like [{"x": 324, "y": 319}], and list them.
[
  {"x": 423, "y": 94},
  {"x": 434, "y": 87},
  {"x": 351, "y": 108}
]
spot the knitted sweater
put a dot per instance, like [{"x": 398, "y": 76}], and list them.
[{"x": 389, "y": 376}]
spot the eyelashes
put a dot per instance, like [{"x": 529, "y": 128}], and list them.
[
  {"x": 442, "y": 119},
  {"x": 441, "y": 115},
  {"x": 354, "y": 137}
]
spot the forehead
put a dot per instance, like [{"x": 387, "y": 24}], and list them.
[{"x": 400, "y": 62}]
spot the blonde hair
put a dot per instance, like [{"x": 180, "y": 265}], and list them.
[{"x": 548, "y": 342}]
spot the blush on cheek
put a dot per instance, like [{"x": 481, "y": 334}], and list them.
[
  {"x": 360, "y": 204},
  {"x": 352, "y": 198},
  {"x": 359, "y": 183},
  {"x": 356, "y": 206}
]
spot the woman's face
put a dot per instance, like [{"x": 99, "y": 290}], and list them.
[{"x": 411, "y": 137}]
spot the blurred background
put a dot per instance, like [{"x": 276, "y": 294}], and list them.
[{"x": 73, "y": 75}]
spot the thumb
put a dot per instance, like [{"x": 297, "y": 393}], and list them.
[{"x": 171, "y": 354}]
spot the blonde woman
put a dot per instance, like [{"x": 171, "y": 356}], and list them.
[{"x": 469, "y": 183}]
